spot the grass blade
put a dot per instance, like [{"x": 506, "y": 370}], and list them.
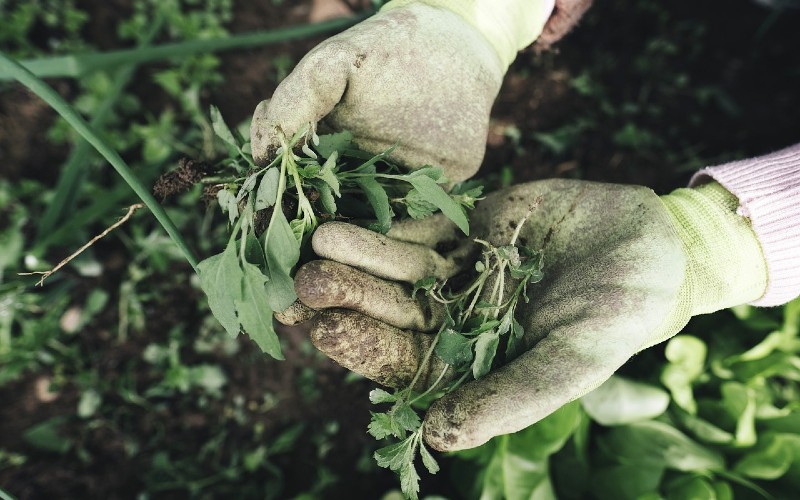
[
  {"x": 76, "y": 65},
  {"x": 74, "y": 171},
  {"x": 51, "y": 97}
]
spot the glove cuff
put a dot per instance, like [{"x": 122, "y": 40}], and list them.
[
  {"x": 508, "y": 25},
  {"x": 768, "y": 189},
  {"x": 725, "y": 262}
]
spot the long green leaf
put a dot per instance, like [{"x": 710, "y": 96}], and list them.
[
  {"x": 63, "y": 108},
  {"x": 74, "y": 66},
  {"x": 74, "y": 172}
]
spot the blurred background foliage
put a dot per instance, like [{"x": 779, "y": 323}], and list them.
[{"x": 117, "y": 383}]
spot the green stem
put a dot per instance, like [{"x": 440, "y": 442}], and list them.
[
  {"x": 74, "y": 171},
  {"x": 74, "y": 66},
  {"x": 51, "y": 97}
]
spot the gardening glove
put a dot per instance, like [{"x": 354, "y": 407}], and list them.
[
  {"x": 421, "y": 75},
  {"x": 624, "y": 270}
]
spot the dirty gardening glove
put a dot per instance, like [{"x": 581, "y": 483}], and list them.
[
  {"x": 624, "y": 270},
  {"x": 419, "y": 74}
]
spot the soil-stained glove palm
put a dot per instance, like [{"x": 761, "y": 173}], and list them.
[
  {"x": 417, "y": 76},
  {"x": 624, "y": 270}
]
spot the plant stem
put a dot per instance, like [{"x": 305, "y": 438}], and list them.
[
  {"x": 74, "y": 66},
  {"x": 63, "y": 108}
]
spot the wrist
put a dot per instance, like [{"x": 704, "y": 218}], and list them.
[
  {"x": 725, "y": 262},
  {"x": 507, "y": 25}
]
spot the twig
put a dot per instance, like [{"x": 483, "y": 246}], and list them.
[{"x": 46, "y": 274}]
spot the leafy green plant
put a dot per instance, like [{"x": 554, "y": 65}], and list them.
[
  {"x": 477, "y": 319},
  {"x": 251, "y": 278},
  {"x": 718, "y": 419}
]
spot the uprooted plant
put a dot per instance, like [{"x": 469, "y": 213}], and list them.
[{"x": 311, "y": 178}]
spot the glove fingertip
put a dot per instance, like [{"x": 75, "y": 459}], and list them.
[{"x": 295, "y": 314}]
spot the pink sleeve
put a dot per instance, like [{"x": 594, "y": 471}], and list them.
[{"x": 768, "y": 188}]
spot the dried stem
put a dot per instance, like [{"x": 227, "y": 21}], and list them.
[{"x": 46, "y": 274}]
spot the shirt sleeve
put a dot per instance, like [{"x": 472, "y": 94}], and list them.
[{"x": 768, "y": 189}]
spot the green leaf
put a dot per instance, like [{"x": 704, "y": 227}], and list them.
[
  {"x": 331, "y": 143},
  {"x": 221, "y": 280},
  {"x": 267, "y": 193},
  {"x": 328, "y": 176},
  {"x": 255, "y": 314},
  {"x": 282, "y": 251},
  {"x": 247, "y": 186},
  {"x": 379, "y": 200},
  {"x": 326, "y": 197},
  {"x": 427, "y": 459},
  {"x": 686, "y": 355},
  {"x": 228, "y": 204},
  {"x": 453, "y": 348},
  {"x": 695, "y": 487},
  {"x": 221, "y": 128},
  {"x": 409, "y": 481},
  {"x": 383, "y": 425},
  {"x": 549, "y": 434},
  {"x": 621, "y": 401},
  {"x": 417, "y": 207},
  {"x": 377, "y": 396},
  {"x": 426, "y": 284},
  {"x": 652, "y": 443},
  {"x": 772, "y": 457},
  {"x": 434, "y": 194},
  {"x": 485, "y": 350},
  {"x": 740, "y": 402},
  {"x": 703, "y": 429},
  {"x": 47, "y": 436},
  {"x": 396, "y": 455},
  {"x": 626, "y": 481},
  {"x": 405, "y": 416}
]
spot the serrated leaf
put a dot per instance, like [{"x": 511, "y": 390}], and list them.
[
  {"x": 309, "y": 171},
  {"x": 427, "y": 459},
  {"x": 379, "y": 200},
  {"x": 267, "y": 193},
  {"x": 485, "y": 350},
  {"x": 433, "y": 193},
  {"x": 221, "y": 128},
  {"x": 409, "y": 481},
  {"x": 377, "y": 396},
  {"x": 254, "y": 312},
  {"x": 453, "y": 348},
  {"x": 394, "y": 456},
  {"x": 221, "y": 280},
  {"x": 405, "y": 416},
  {"x": 383, "y": 425}
]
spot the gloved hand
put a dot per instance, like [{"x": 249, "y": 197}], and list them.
[
  {"x": 624, "y": 270},
  {"x": 419, "y": 74}
]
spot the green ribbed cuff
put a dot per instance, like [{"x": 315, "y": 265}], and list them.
[
  {"x": 726, "y": 266},
  {"x": 508, "y": 25}
]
